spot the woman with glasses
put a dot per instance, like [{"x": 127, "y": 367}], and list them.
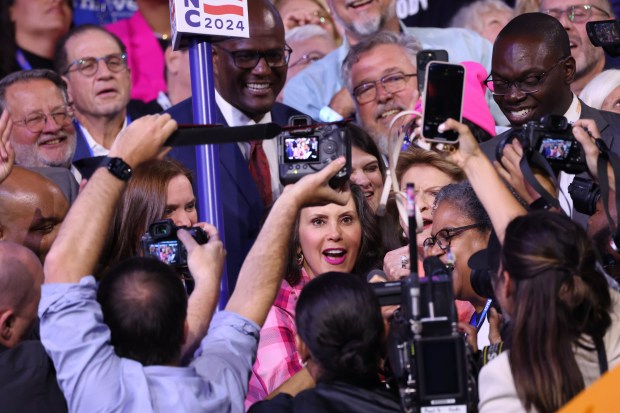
[
  {"x": 461, "y": 227},
  {"x": 29, "y": 31}
]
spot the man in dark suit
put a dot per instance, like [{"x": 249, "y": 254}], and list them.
[
  {"x": 531, "y": 75},
  {"x": 249, "y": 74}
]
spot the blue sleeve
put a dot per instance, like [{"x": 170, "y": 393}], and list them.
[
  {"x": 91, "y": 376},
  {"x": 226, "y": 355},
  {"x": 315, "y": 86}
]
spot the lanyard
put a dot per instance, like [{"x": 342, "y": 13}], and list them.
[
  {"x": 478, "y": 320},
  {"x": 22, "y": 61}
]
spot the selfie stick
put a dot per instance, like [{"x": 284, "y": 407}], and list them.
[{"x": 189, "y": 28}]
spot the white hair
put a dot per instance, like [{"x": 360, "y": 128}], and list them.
[
  {"x": 469, "y": 16},
  {"x": 599, "y": 87},
  {"x": 306, "y": 32}
]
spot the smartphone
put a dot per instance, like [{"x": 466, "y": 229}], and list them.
[
  {"x": 442, "y": 99},
  {"x": 422, "y": 59}
]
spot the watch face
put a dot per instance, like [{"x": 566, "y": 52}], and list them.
[{"x": 119, "y": 168}]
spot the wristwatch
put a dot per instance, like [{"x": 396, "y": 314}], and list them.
[{"x": 118, "y": 168}]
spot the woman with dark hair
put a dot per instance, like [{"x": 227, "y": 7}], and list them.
[
  {"x": 340, "y": 336},
  {"x": 367, "y": 167},
  {"x": 562, "y": 314},
  {"x": 565, "y": 328},
  {"x": 326, "y": 238},
  {"x": 29, "y": 31},
  {"x": 368, "y": 172},
  {"x": 158, "y": 189}
]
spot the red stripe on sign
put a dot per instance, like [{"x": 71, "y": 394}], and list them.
[{"x": 225, "y": 9}]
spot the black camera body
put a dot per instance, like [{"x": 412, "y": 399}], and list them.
[
  {"x": 553, "y": 139},
  {"x": 305, "y": 148},
  {"x": 430, "y": 363},
  {"x": 161, "y": 242},
  {"x": 605, "y": 34},
  {"x": 585, "y": 194}
]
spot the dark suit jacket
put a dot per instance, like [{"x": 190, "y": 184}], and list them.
[
  {"x": 242, "y": 207},
  {"x": 608, "y": 124}
]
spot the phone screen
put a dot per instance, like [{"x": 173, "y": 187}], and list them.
[{"x": 443, "y": 99}]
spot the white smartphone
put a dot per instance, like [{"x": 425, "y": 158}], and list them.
[{"x": 443, "y": 98}]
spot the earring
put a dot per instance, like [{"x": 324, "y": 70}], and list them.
[{"x": 300, "y": 258}]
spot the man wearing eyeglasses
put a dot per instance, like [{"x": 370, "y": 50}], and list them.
[
  {"x": 574, "y": 14},
  {"x": 42, "y": 133},
  {"x": 93, "y": 62},
  {"x": 248, "y": 75},
  {"x": 531, "y": 77},
  {"x": 320, "y": 90}
]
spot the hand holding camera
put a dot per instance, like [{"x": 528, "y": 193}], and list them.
[{"x": 204, "y": 259}]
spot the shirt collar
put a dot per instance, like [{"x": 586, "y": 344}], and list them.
[
  {"x": 574, "y": 110},
  {"x": 233, "y": 116}
]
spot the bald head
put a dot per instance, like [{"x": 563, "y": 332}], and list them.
[
  {"x": 536, "y": 28},
  {"x": 21, "y": 276},
  {"x": 31, "y": 210}
]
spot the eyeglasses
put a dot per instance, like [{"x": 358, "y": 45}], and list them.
[
  {"x": 393, "y": 83},
  {"x": 88, "y": 66},
  {"x": 248, "y": 59},
  {"x": 577, "y": 14},
  {"x": 528, "y": 84},
  {"x": 35, "y": 122},
  {"x": 443, "y": 238},
  {"x": 307, "y": 59}
]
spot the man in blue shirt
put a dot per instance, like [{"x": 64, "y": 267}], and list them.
[
  {"x": 319, "y": 91},
  {"x": 130, "y": 362}
]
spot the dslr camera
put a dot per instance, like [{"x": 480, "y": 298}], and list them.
[
  {"x": 305, "y": 148},
  {"x": 161, "y": 242},
  {"x": 605, "y": 34},
  {"x": 553, "y": 139}
]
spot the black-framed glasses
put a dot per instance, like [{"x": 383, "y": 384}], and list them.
[
  {"x": 443, "y": 238},
  {"x": 578, "y": 13},
  {"x": 248, "y": 59},
  {"x": 307, "y": 59},
  {"x": 35, "y": 122},
  {"x": 392, "y": 83},
  {"x": 527, "y": 84},
  {"x": 88, "y": 66}
]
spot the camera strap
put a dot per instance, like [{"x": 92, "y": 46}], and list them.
[
  {"x": 607, "y": 157},
  {"x": 601, "y": 354},
  {"x": 537, "y": 159}
]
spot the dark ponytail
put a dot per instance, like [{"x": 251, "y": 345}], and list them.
[
  {"x": 339, "y": 319},
  {"x": 559, "y": 296}
]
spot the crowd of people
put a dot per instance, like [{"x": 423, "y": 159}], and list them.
[{"x": 94, "y": 319}]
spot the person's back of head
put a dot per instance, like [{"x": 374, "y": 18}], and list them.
[
  {"x": 551, "y": 265},
  {"x": 597, "y": 91},
  {"x": 145, "y": 306},
  {"x": 339, "y": 320},
  {"x": 21, "y": 276}
]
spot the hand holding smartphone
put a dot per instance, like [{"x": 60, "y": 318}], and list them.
[{"x": 443, "y": 99}]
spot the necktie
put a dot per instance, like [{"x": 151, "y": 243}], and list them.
[{"x": 259, "y": 169}]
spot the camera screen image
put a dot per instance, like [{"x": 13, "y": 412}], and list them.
[
  {"x": 607, "y": 32},
  {"x": 165, "y": 251},
  {"x": 301, "y": 149},
  {"x": 552, "y": 148}
]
